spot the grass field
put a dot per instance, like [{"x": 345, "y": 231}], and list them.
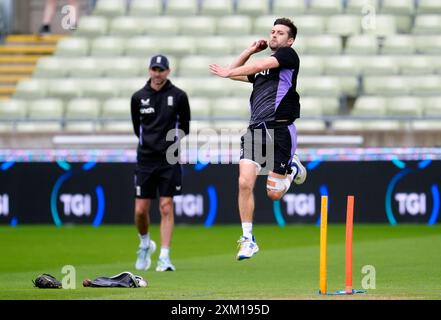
[{"x": 406, "y": 258}]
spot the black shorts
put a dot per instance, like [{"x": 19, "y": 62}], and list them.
[
  {"x": 158, "y": 177},
  {"x": 271, "y": 148}
]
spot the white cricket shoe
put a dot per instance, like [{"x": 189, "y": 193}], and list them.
[
  {"x": 143, "y": 260},
  {"x": 247, "y": 248},
  {"x": 164, "y": 264},
  {"x": 300, "y": 177}
]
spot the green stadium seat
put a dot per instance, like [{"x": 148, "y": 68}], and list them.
[
  {"x": 347, "y": 125},
  {"x": 398, "y": 44},
  {"x": 82, "y": 108},
  {"x": 13, "y": 109},
  {"x": 162, "y": 26},
  {"x": 428, "y": 6},
  {"x": 142, "y": 46},
  {"x": 232, "y": 107},
  {"x": 181, "y": 7},
  {"x": 428, "y": 44},
  {"x": 210, "y": 87},
  {"x": 80, "y": 126},
  {"x": 289, "y": 7},
  {"x": 142, "y": 8},
  {"x": 6, "y": 128},
  {"x": 427, "y": 24},
  {"x": 127, "y": 26},
  {"x": 239, "y": 88},
  {"x": 200, "y": 108},
  {"x": 117, "y": 127},
  {"x": 216, "y": 46},
  {"x": 362, "y": 7},
  {"x": 331, "y": 106},
  {"x": 72, "y": 47},
  {"x": 379, "y": 65},
  {"x": 198, "y": 26},
  {"x": 124, "y": 67},
  {"x": 407, "y": 106},
  {"x": 373, "y": 106},
  {"x": 310, "y": 24},
  {"x": 31, "y": 89},
  {"x": 130, "y": 85},
  {"x": 432, "y": 106},
  {"x": 52, "y": 67},
  {"x": 323, "y": 45},
  {"x": 349, "y": 85},
  {"x": 300, "y": 44},
  {"x": 303, "y": 125},
  {"x": 116, "y": 108},
  {"x": 424, "y": 85},
  {"x": 325, "y": 7},
  {"x": 342, "y": 65},
  {"x": 108, "y": 46},
  {"x": 39, "y": 127},
  {"x": 362, "y": 45},
  {"x": 46, "y": 109},
  {"x": 321, "y": 86},
  {"x": 343, "y": 25},
  {"x": 178, "y": 46},
  {"x": 87, "y": 67},
  {"x": 404, "y": 23},
  {"x": 234, "y": 25},
  {"x": 110, "y": 8},
  {"x": 384, "y": 85},
  {"x": 263, "y": 25},
  {"x": 415, "y": 65},
  {"x": 398, "y": 7},
  {"x": 92, "y": 26},
  {"x": 64, "y": 89},
  {"x": 100, "y": 88},
  {"x": 312, "y": 65},
  {"x": 385, "y": 25},
  {"x": 253, "y": 8},
  {"x": 217, "y": 8},
  {"x": 195, "y": 66},
  {"x": 311, "y": 106}
]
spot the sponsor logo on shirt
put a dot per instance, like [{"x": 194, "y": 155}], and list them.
[{"x": 147, "y": 110}]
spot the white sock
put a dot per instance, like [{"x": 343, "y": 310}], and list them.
[
  {"x": 247, "y": 229},
  {"x": 294, "y": 172},
  {"x": 164, "y": 253},
  {"x": 144, "y": 240}
]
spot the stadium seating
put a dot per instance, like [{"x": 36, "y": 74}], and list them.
[
  {"x": 110, "y": 8},
  {"x": 144, "y": 8},
  {"x": 108, "y": 46},
  {"x": 351, "y": 66},
  {"x": 289, "y": 7},
  {"x": 217, "y": 8}
]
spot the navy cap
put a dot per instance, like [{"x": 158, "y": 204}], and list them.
[{"x": 159, "y": 61}]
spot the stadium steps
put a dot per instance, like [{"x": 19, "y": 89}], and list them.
[
  {"x": 6, "y": 91},
  {"x": 18, "y": 57},
  {"x": 12, "y": 70},
  {"x": 34, "y": 39}
]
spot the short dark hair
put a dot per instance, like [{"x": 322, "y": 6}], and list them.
[{"x": 292, "y": 33}]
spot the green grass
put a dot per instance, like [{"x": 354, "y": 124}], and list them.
[{"x": 406, "y": 258}]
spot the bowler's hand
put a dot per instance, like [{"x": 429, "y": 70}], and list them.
[
  {"x": 219, "y": 71},
  {"x": 257, "y": 46}
]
